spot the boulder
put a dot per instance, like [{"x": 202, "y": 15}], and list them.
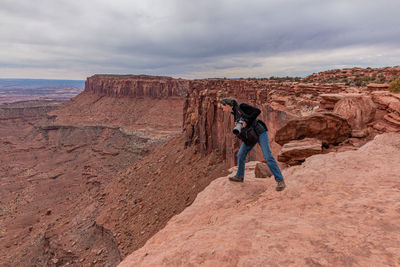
[
  {"x": 378, "y": 86},
  {"x": 295, "y": 152},
  {"x": 358, "y": 110},
  {"x": 262, "y": 170},
  {"x": 328, "y": 127},
  {"x": 383, "y": 99}
]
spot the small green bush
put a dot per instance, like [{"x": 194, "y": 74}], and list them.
[{"x": 394, "y": 86}]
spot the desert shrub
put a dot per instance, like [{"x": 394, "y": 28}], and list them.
[
  {"x": 394, "y": 86},
  {"x": 358, "y": 81},
  {"x": 366, "y": 78}
]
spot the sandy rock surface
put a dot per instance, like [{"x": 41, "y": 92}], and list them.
[
  {"x": 358, "y": 110},
  {"x": 295, "y": 152},
  {"x": 339, "y": 209}
]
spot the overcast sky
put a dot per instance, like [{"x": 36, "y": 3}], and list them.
[{"x": 71, "y": 39}]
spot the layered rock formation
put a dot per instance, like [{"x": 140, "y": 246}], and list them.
[
  {"x": 358, "y": 110},
  {"x": 327, "y": 127},
  {"x": 296, "y": 151},
  {"x": 27, "y": 110},
  {"x": 387, "y": 117},
  {"x": 208, "y": 128},
  {"x": 370, "y": 76},
  {"x": 152, "y": 104},
  {"x": 335, "y": 211},
  {"x": 137, "y": 86}
]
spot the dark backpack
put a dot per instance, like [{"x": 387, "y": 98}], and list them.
[{"x": 250, "y": 134}]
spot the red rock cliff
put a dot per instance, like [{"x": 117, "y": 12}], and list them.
[
  {"x": 139, "y": 102},
  {"x": 209, "y": 128},
  {"x": 138, "y": 86}
]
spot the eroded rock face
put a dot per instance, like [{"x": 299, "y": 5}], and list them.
[
  {"x": 387, "y": 118},
  {"x": 137, "y": 86},
  {"x": 207, "y": 127},
  {"x": 327, "y": 127},
  {"x": 296, "y": 151},
  {"x": 328, "y": 101},
  {"x": 358, "y": 110},
  {"x": 378, "y": 86}
]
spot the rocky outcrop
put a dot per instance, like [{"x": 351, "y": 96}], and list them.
[
  {"x": 137, "y": 86},
  {"x": 25, "y": 111},
  {"x": 154, "y": 116},
  {"x": 368, "y": 77},
  {"x": 327, "y": 127},
  {"x": 378, "y": 86},
  {"x": 335, "y": 211},
  {"x": 296, "y": 151},
  {"x": 387, "y": 118},
  {"x": 328, "y": 101},
  {"x": 208, "y": 128},
  {"x": 357, "y": 109},
  {"x": 261, "y": 170}
]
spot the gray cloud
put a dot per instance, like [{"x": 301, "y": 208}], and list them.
[{"x": 232, "y": 38}]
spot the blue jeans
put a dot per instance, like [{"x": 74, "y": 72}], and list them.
[{"x": 266, "y": 150}]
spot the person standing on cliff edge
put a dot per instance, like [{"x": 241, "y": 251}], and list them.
[{"x": 251, "y": 131}]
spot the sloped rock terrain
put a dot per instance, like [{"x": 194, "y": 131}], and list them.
[
  {"x": 339, "y": 209},
  {"x": 58, "y": 160}
]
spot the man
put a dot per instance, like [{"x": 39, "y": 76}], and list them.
[{"x": 251, "y": 131}]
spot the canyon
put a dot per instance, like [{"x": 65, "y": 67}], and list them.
[
  {"x": 89, "y": 181},
  {"x": 58, "y": 159}
]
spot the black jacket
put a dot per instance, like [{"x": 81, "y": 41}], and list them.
[{"x": 249, "y": 114}]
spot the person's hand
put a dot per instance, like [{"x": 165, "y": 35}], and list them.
[{"x": 243, "y": 123}]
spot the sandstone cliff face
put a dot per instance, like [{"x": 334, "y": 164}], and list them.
[
  {"x": 337, "y": 210},
  {"x": 16, "y": 112},
  {"x": 138, "y": 86},
  {"x": 209, "y": 128},
  {"x": 135, "y": 102}
]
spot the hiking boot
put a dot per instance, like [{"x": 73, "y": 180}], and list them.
[
  {"x": 281, "y": 185},
  {"x": 236, "y": 179}
]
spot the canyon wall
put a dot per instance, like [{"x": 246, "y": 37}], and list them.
[
  {"x": 208, "y": 128},
  {"x": 58, "y": 162},
  {"x": 137, "y": 86},
  {"x": 17, "y": 111},
  {"x": 134, "y": 102}
]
